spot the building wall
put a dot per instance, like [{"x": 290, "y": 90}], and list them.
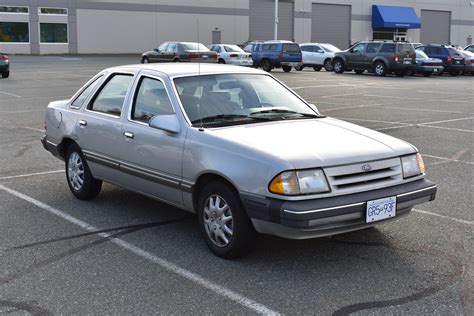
[{"x": 126, "y": 26}]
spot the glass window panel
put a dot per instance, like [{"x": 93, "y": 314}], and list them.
[
  {"x": 10, "y": 9},
  {"x": 14, "y": 32},
  {"x": 53, "y": 11},
  {"x": 111, "y": 97},
  {"x": 150, "y": 100},
  {"x": 53, "y": 32}
]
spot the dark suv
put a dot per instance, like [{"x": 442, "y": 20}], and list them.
[
  {"x": 453, "y": 61},
  {"x": 379, "y": 57},
  {"x": 4, "y": 66}
]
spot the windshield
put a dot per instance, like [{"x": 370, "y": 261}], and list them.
[
  {"x": 238, "y": 99},
  {"x": 421, "y": 55},
  {"x": 330, "y": 48},
  {"x": 233, "y": 49},
  {"x": 194, "y": 46}
]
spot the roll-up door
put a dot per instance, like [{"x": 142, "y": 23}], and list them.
[
  {"x": 435, "y": 27},
  {"x": 331, "y": 23},
  {"x": 261, "y": 20}
]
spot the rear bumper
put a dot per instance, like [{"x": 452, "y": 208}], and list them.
[
  {"x": 291, "y": 63},
  {"x": 52, "y": 147},
  {"x": 401, "y": 67},
  {"x": 241, "y": 62},
  {"x": 451, "y": 68},
  {"x": 437, "y": 69},
  {"x": 329, "y": 216}
]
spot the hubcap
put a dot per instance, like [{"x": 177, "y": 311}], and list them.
[
  {"x": 75, "y": 171},
  {"x": 328, "y": 66},
  {"x": 145, "y": 60},
  {"x": 379, "y": 69},
  {"x": 218, "y": 221},
  {"x": 337, "y": 66}
]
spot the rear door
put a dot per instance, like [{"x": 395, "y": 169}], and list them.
[
  {"x": 370, "y": 53},
  {"x": 291, "y": 52}
]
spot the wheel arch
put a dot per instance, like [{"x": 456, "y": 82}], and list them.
[
  {"x": 64, "y": 145},
  {"x": 205, "y": 178}
]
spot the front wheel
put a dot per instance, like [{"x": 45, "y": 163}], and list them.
[
  {"x": 338, "y": 66},
  {"x": 299, "y": 68},
  {"x": 145, "y": 60},
  {"x": 267, "y": 65},
  {"x": 227, "y": 230},
  {"x": 221, "y": 61},
  {"x": 286, "y": 68},
  {"x": 79, "y": 178},
  {"x": 328, "y": 65},
  {"x": 317, "y": 68}
]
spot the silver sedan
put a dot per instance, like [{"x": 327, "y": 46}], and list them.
[
  {"x": 232, "y": 54},
  {"x": 235, "y": 146}
]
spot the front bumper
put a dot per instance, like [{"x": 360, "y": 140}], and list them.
[{"x": 329, "y": 216}]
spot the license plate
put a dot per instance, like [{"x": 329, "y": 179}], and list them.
[
  {"x": 407, "y": 61},
  {"x": 457, "y": 61},
  {"x": 380, "y": 209},
  {"x": 292, "y": 64},
  {"x": 204, "y": 56}
]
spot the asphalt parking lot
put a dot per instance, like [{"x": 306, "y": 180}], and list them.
[{"x": 126, "y": 254}]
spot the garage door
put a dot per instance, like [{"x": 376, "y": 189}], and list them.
[
  {"x": 331, "y": 24},
  {"x": 261, "y": 20},
  {"x": 435, "y": 27}
]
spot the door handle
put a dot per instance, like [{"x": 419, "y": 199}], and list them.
[
  {"x": 128, "y": 135},
  {"x": 82, "y": 123}
]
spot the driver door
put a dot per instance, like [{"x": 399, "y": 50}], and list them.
[{"x": 355, "y": 58}]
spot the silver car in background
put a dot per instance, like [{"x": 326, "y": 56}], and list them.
[
  {"x": 317, "y": 56},
  {"x": 232, "y": 55},
  {"x": 235, "y": 146}
]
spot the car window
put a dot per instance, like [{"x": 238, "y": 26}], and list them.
[
  {"x": 405, "y": 48},
  {"x": 359, "y": 48},
  {"x": 150, "y": 99},
  {"x": 291, "y": 48},
  {"x": 387, "y": 48},
  {"x": 330, "y": 48},
  {"x": 316, "y": 48},
  {"x": 273, "y": 47},
  {"x": 194, "y": 46},
  {"x": 372, "y": 47},
  {"x": 85, "y": 93},
  {"x": 163, "y": 47},
  {"x": 266, "y": 47},
  {"x": 306, "y": 48},
  {"x": 421, "y": 55},
  {"x": 248, "y": 48},
  {"x": 171, "y": 47},
  {"x": 454, "y": 52},
  {"x": 239, "y": 94},
  {"x": 233, "y": 49},
  {"x": 110, "y": 98},
  {"x": 432, "y": 50}
]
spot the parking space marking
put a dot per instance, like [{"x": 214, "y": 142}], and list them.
[
  {"x": 11, "y": 94},
  {"x": 449, "y": 159},
  {"x": 417, "y": 109},
  {"x": 31, "y": 174},
  {"x": 171, "y": 267},
  {"x": 33, "y": 129},
  {"x": 446, "y": 121},
  {"x": 36, "y": 98},
  {"x": 428, "y": 126},
  {"x": 462, "y": 221}
]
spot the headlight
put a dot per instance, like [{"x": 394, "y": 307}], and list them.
[
  {"x": 299, "y": 182},
  {"x": 412, "y": 165}
]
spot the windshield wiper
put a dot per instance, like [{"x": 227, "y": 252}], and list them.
[
  {"x": 283, "y": 111},
  {"x": 225, "y": 117}
]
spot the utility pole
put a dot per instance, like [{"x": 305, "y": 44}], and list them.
[{"x": 276, "y": 21}]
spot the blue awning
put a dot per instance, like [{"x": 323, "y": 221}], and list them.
[{"x": 384, "y": 16}]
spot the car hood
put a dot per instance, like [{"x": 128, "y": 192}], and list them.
[{"x": 315, "y": 142}]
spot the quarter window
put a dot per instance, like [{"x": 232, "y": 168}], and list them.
[
  {"x": 151, "y": 99},
  {"x": 53, "y": 33},
  {"x": 111, "y": 97},
  {"x": 59, "y": 11},
  {"x": 85, "y": 93},
  {"x": 14, "y": 32}
]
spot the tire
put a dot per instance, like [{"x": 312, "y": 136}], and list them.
[
  {"x": 427, "y": 74},
  {"x": 359, "y": 71},
  {"x": 78, "y": 171},
  {"x": 338, "y": 66},
  {"x": 454, "y": 73},
  {"x": 145, "y": 60},
  {"x": 6, "y": 74},
  {"x": 267, "y": 65},
  {"x": 380, "y": 70},
  {"x": 238, "y": 230},
  {"x": 286, "y": 68},
  {"x": 328, "y": 65},
  {"x": 317, "y": 68},
  {"x": 299, "y": 68},
  {"x": 400, "y": 73},
  {"x": 176, "y": 60},
  {"x": 221, "y": 61}
]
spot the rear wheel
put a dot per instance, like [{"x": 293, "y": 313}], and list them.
[
  {"x": 317, "y": 68},
  {"x": 286, "y": 68},
  {"x": 267, "y": 65},
  {"x": 299, "y": 68},
  {"x": 145, "y": 60},
  {"x": 380, "y": 69},
  {"x": 227, "y": 230},
  {"x": 338, "y": 66},
  {"x": 328, "y": 65},
  {"x": 221, "y": 61},
  {"x": 454, "y": 73},
  {"x": 6, "y": 74},
  {"x": 176, "y": 60},
  {"x": 359, "y": 71},
  {"x": 79, "y": 178}
]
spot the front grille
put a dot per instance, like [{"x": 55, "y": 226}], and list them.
[{"x": 356, "y": 177}]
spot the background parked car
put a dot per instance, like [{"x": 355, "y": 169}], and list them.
[
  {"x": 317, "y": 55},
  {"x": 470, "y": 48},
  {"x": 231, "y": 54},
  {"x": 249, "y": 42},
  {"x": 276, "y": 54},
  {"x": 4, "y": 65},
  {"x": 179, "y": 52},
  {"x": 468, "y": 62},
  {"x": 381, "y": 57},
  {"x": 453, "y": 61},
  {"x": 427, "y": 66}
]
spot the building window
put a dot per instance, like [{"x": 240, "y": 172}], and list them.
[
  {"x": 14, "y": 32},
  {"x": 59, "y": 11},
  {"x": 9, "y": 9},
  {"x": 387, "y": 34},
  {"x": 53, "y": 33}
]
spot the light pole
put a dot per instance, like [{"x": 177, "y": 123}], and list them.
[{"x": 275, "y": 34}]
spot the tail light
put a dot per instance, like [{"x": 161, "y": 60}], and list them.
[
  {"x": 3, "y": 57},
  {"x": 395, "y": 56},
  {"x": 234, "y": 55},
  {"x": 449, "y": 59},
  {"x": 193, "y": 56},
  {"x": 472, "y": 60}
]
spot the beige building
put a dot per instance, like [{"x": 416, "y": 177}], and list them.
[{"x": 132, "y": 26}]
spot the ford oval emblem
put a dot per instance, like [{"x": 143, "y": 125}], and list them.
[{"x": 366, "y": 167}]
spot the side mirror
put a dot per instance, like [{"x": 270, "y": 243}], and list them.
[
  {"x": 168, "y": 123},
  {"x": 313, "y": 107},
  {"x": 320, "y": 51},
  {"x": 157, "y": 50}
]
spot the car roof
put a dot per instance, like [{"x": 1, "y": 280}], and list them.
[
  {"x": 188, "y": 69},
  {"x": 278, "y": 42}
]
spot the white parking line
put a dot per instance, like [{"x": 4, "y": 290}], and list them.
[
  {"x": 446, "y": 121},
  {"x": 462, "y": 221},
  {"x": 449, "y": 159},
  {"x": 191, "y": 276},
  {"x": 31, "y": 174},
  {"x": 33, "y": 129},
  {"x": 10, "y": 94}
]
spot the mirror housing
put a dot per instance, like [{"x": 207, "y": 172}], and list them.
[
  {"x": 156, "y": 50},
  {"x": 168, "y": 123},
  {"x": 320, "y": 51}
]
